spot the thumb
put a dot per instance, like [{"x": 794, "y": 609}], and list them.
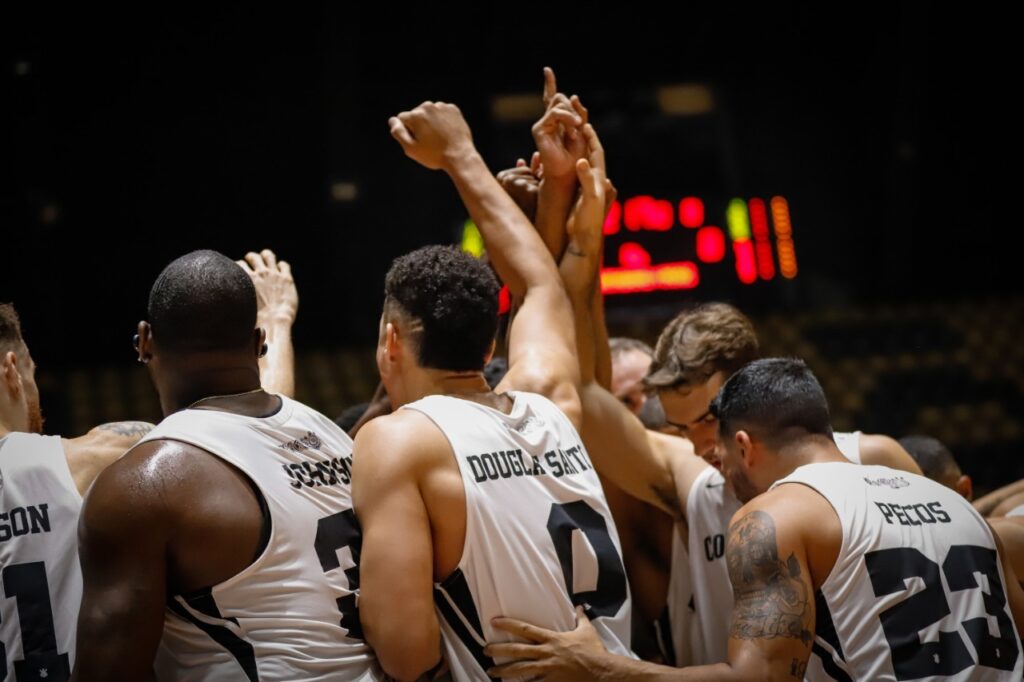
[
  {"x": 588, "y": 178},
  {"x": 581, "y": 617},
  {"x": 400, "y": 132}
]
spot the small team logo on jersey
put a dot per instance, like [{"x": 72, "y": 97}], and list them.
[
  {"x": 894, "y": 483},
  {"x": 529, "y": 425}
]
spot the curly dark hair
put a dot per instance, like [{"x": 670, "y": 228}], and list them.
[
  {"x": 712, "y": 337},
  {"x": 454, "y": 297}
]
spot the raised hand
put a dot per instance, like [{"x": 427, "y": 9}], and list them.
[
  {"x": 433, "y": 134},
  {"x": 587, "y": 220},
  {"x": 522, "y": 183},
  {"x": 276, "y": 295}
]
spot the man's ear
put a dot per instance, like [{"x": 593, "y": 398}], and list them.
[
  {"x": 747, "y": 451},
  {"x": 965, "y": 486},
  {"x": 143, "y": 341},
  {"x": 11, "y": 374},
  {"x": 260, "y": 341},
  {"x": 392, "y": 341}
]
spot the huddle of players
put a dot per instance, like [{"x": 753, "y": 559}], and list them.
[{"x": 247, "y": 537}]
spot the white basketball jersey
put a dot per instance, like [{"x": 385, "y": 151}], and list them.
[
  {"x": 539, "y": 536},
  {"x": 917, "y": 591},
  {"x": 41, "y": 577},
  {"x": 700, "y": 593},
  {"x": 291, "y": 614}
]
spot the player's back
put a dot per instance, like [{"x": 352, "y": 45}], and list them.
[
  {"x": 539, "y": 536},
  {"x": 917, "y": 590},
  {"x": 40, "y": 577},
  {"x": 291, "y": 614}
]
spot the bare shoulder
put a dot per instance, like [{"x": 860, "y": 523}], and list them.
[
  {"x": 89, "y": 454},
  {"x": 401, "y": 442},
  {"x": 530, "y": 374},
  {"x": 142, "y": 482},
  {"x": 682, "y": 461},
  {"x": 882, "y": 450},
  {"x": 802, "y": 519}
]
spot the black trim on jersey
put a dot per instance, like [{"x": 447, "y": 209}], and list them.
[
  {"x": 663, "y": 635},
  {"x": 453, "y": 598},
  {"x": 203, "y": 602},
  {"x": 830, "y": 667},
  {"x": 265, "y": 513},
  {"x": 824, "y": 626}
]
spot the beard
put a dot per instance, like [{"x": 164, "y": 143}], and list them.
[
  {"x": 35, "y": 415},
  {"x": 742, "y": 486}
]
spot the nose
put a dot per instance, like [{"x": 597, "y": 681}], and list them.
[{"x": 705, "y": 441}]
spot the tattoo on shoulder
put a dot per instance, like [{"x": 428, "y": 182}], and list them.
[
  {"x": 771, "y": 599},
  {"x": 127, "y": 428}
]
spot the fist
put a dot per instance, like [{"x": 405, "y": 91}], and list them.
[{"x": 433, "y": 134}]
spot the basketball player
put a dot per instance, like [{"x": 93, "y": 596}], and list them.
[
  {"x": 224, "y": 545},
  {"x": 475, "y": 502},
  {"x": 42, "y": 480},
  {"x": 823, "y": 557},
  {"x": 696, "y": 350}
]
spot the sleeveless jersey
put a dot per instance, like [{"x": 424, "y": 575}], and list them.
[
  {"x": 291, "y": 614},
  {"x": 41, "y": 577},
  {"x": 700, "y": 593},
  {"x": 917, "y": 591},
  {"x": 540, "y": 539}
]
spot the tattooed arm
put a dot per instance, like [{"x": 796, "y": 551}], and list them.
[
  {"x": 773, "y": 613},
  {"x": 90, "y": 454}
]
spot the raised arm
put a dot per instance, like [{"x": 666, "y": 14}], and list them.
[
  {"x": 654, "y": 468},
  {"x": 541, "y": 346},
  {"x": 278, "y": 301},
  {"x": 559, "y": 147}
]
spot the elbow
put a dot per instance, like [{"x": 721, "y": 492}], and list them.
[
  {"x": 406, "y": 653},
  {"x": 409, "y": 663}
]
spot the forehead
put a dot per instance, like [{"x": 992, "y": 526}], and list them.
[{"x": 688, "y": 404}]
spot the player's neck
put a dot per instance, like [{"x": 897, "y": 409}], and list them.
[
  {"x": 813, "y": 450},
  {"x": 448, "y": 382},
  {"x": 10, "y": 423},
  {"x": 179, "y": 389}
]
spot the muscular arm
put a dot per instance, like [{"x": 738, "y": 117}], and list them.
[
  {"x": 654, "y": 468},
  {"x": 90, "y": 454},
  {"x": 278, "y": 303},
  {"x": 396, "y": 605},
  {"x": 988, "y": 505},
  {"x": 541, "y": 346},
  {"x": 123, "y": 546},
  {"x": 884, "y": 451}
]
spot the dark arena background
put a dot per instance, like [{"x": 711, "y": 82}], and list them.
[{"x": 845, "y": 175}]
